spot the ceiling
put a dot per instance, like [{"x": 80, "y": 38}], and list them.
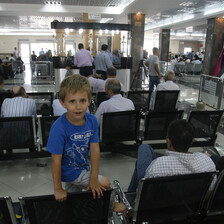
[{"x": 173, "y": 14}]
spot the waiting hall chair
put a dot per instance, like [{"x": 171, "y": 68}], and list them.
[
  {"x": 119, "y": 126},
  {"x": 79, "y": 208},
  {"x": 205, "y": 124},
  {"x": 166, "y": 100},
  {"x": 100, "y": 97},
  {"x": 215, "y": 209},
  {"x": 156, "y": 125},
  {"x": 17, "y": 133},
  {"x": 7, "y": 215},
  {"x": 44, "y": 127},
  {"x": 141, "y": 99},
  {"x": 3, "y": 96},
  {"x": 179, "y": 69},
  {"x": 173, "y": 199}
]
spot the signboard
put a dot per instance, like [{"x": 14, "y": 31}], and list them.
[{"x": 94, "y": 16}]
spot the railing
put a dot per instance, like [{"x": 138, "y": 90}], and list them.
[{"x": 211, "y": 91}]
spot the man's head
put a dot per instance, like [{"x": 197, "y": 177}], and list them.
[
  {"x": 112, "y": 87},
  {"x": 2, "y": 82},
  {"x": 169, "y": 75},
  {"x": 155, "y": 51},
  {"x": 80, "y": 46},
  {"x": 73, "y": 84},
  {"x": 180, "y": 136},
  {"x": 15, "y": 49},
  {"x": 111, "y": 72},
  {"x": 19, "y": 91},
  {"x": 104, "y": 47},
  {"x": 115, "y": 52}
]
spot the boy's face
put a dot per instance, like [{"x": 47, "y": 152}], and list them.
[{"x": 76, "y": 105}]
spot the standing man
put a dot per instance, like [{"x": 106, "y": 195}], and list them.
[
  {"x": 154, "y": 73},
  {"x": 84, "y": 61},
  {"x": 102, "y": 61},
  {"x": 15, "y": 53}
]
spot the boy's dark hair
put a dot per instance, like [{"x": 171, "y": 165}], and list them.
[
  {"x": 181, "y": 135},
  {"x": 112, "y": 71},
  {"x": 80, "y": 46},
  {"x": 73, "y": 84},
  {"x": 104, "y": 47}
]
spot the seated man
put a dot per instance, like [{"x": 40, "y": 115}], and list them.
[
  {"x": 116, "y": 102},
  {"x": 19, "y": 105},
  {"x": 177, "y": 161},
  {"x": 99, "y": 84},
  {"x": 168, "y": 84}
]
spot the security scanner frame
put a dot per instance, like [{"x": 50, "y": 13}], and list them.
[
  {"x": 166, "y": 100},
  {"x": 44, "y": 124},
  {"x": 140, "y": 98},
  {"x": 173, "y": 199},
  {"x": 205, "y": 124},
  {"x": 79, "y": 208},
  {"x": 6, "y": 211},
  {"x": 42, "y": 99}
]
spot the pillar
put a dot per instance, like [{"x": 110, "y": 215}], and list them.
[
  {"x": 213, "y": 45},
  {"x": 60, "y": 42},
  {"x": 137, "y": 34},
  {"x": 116, "y": 42},
  {"x": 164, "y": 44}
]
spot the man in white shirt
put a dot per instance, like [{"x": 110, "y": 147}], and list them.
[
  {"x": 116, "y": 102},
  {"x": 168, "y": 84},
  {"x": 18, "y": 106},
  {"x": 99, "y": 84}
]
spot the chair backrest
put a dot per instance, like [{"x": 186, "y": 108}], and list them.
[
  {"x": 45, "y": 124},
  {"x": 166, "y": 100},
  {"x": 205, "y": 125},
  {"x": 141, "y": 99},
  {"x": 168, "y": 199},
  {"x": 78, "y": 208},
  {"x": 17, "y": 133},
  {"x": 156, "y": 124},
  {"x": 4, "y": 95},
  {"x": 216, "y": 203},
  {"x": 119, "y": 126},
  {"x": 43, "y": 102},
  {"x": 100, "y": 97},
  {"x": 7, "y": 215}
]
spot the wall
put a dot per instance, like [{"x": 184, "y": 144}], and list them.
[
  {"x": 195, "y": 45},
  {"x": 174, "y": 46}
]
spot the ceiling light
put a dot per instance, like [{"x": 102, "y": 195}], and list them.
[
  {"x": 52, "y": 2},
  {"x": 80, "y": 31}
]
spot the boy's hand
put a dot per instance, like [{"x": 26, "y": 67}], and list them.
[
  {"x": 95, "y": 187},
  {"x": 60, "y": 195}
]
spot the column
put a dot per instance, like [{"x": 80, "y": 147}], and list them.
[
  {"x": 164, "y": 44},
  {"x": 213, "y": 45},
  {"x": 137, "y": 34},
  {"x": 116, "y": 42},
  {"x": 60, "y": 42}
]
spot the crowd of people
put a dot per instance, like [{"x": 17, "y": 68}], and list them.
[{"x": 74, "y": 135}]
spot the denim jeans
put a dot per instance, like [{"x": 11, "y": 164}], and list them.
[
  {"x": 153, "y": 80},
  {"x": 146, "y": 155}
]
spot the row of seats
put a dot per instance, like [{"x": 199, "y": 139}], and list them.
[
  {"x": 190, "y": 68},
  {"x": 116, "y": 127},
  {"x": 175, "y": 199}
]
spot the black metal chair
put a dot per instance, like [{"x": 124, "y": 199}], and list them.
[
  {"x": 215, "y": 209},
  {"x": 79, "y": 208},
  {"x": 44, "y": 124},
  {"x": 7, "y": 215},
  {"x": 4, "y": 95},
  {"x": 119, "y": 126},
  {"x": 100, "y": 97},
  {"x": 205, "y": 125},
  {"x": 166, "y": 100},
  {"x": 156, "y": 125},
  {"x": 141, "y": 99},
  {"x": 174, "y": 199}
]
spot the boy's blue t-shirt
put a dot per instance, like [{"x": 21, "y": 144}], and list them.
[{"x": 72, "y": 142}]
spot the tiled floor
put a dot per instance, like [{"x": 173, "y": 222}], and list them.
[{"x": 24, "y": 178}]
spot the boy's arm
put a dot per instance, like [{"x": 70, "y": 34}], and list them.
[
  {"x": 94, "y": 184},
  {"x": 59, "y": 193}
]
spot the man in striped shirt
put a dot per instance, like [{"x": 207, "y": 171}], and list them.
[{"x": 18, "y": 106}]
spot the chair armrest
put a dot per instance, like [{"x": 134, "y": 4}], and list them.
[{"x": 121, "y": 195}]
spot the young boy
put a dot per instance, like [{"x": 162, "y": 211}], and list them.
[{"x": 71, "y": 138}]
